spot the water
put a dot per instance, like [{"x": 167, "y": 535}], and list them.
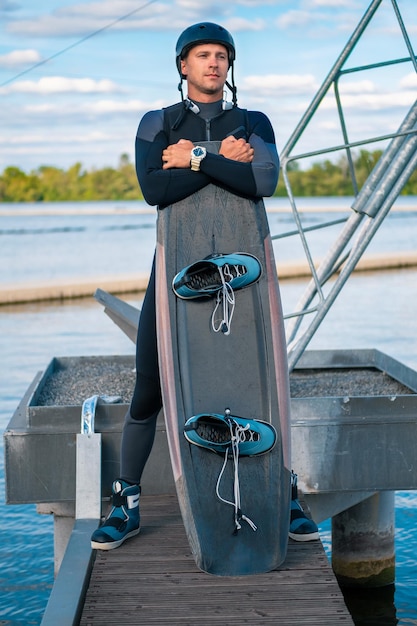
[{"x": 373, "y": 311}]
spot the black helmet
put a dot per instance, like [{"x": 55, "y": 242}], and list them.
[{"x": 204, "y": 32}]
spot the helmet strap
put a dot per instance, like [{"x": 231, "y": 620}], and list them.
[
  {"x": 232, "y": 86},
  {"x": 180, "y": 89}
]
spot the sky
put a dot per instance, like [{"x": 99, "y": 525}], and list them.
[{"x": 77, "y": 76}]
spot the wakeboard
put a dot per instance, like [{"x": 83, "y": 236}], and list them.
[{"x": 236, "y": 515}]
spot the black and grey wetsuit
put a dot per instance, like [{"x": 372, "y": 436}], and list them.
[{"x": 156, "y": 131}]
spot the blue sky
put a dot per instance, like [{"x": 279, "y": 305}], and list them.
[{"x": 84, "y": 104}]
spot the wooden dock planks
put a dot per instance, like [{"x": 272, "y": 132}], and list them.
[{"x": 153, "y": 579}]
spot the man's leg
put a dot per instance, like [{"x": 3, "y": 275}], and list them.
[
  {"x": 301, "y": 527},
  {"x": 138, "y": 434}
]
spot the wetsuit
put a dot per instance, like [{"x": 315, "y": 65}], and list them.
[{"x": 156, "y": 131}]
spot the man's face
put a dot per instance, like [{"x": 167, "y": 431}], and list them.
[{"x": 205, "y": 68}]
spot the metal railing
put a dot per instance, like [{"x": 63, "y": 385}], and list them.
[{"x": 371, "y": 203}]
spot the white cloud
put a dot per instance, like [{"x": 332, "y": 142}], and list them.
[
  {"x": 330, "y": 125},
  {"x": 281, "y": 84},
  {"x": 320, "y": 17},
  {"x": 89, "y": 115},
  {"x": 84, "y": 19},
  {"x": 332, "y": 3},
  {"x": 294, "y": 18},
  {"x": 79, "y": 19},
  {"x": 101, "y": 107},
  {"x": 360, "y": 95},
  {"x": 259, "y": 3},
  {"x": 235, "y": 24},
  {"x": 193, "y": 5},
  {"x": 213, "y": 7},
  {"x": 107, "y": 9},
  {"x": 373, "y": 102},
  {"x": 56, "y": 137},
  {"x": 59, "y": 84},
  {"x": 18, "y": 58},
  {"x": 54, "y": 26},
  {"x": 115, "y": 106},
  {"x": 409, "y": 81},
  {"x": 64, "y": 148},
  {"x": 358, "y": 87}
]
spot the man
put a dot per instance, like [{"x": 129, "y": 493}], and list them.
[{"x": 169, "y": 169}]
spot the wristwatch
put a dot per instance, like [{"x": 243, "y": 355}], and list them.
[{"x": 197, "y": 155}]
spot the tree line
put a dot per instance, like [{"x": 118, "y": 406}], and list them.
[{"x": 53, "y": 184}]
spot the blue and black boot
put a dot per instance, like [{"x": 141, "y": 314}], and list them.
[
  {"x": 208, "y": 276},
  {"x": 216, "y": 432},
  {"x": 123, "y": 520},
  {"x": 302, "y": 528}
]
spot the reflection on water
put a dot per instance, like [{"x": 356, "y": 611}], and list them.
[{"x": 372, "y": 607}]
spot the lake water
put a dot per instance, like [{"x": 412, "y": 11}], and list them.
[{"x": 375, "y": 310}]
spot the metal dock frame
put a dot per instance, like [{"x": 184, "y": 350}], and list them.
[
  {"x": 372, "y": 202},
  {"x": 67, "y": 597}
]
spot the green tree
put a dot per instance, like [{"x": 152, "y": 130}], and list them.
[
  {"x": 364, "y": 163},
  {"x": 52, "y": 184},
  {"x": 17, "y": 186}
]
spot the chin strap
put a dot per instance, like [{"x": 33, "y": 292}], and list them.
[
  {"x": 232, "y": 87},
  {"x": 187, "y": 105}
]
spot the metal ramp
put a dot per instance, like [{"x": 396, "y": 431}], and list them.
[
  {"x": 124, "y": 315},
  {"x": 371, "y": 203}
]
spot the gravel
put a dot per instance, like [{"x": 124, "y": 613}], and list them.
[
  {"x": 75, "y": 379},
  {"x": 345, "y": 382}
]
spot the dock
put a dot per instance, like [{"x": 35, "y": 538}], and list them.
[
  {"x": 84, "y": 287},
  {"x": 153, "y": 579}
]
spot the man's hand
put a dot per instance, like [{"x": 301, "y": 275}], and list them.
[
  {"x": 177, "y": 154},
  {"x": 236, "y": 149}
]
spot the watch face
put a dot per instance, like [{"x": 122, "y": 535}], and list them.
[{"x": 198, "y": 151}]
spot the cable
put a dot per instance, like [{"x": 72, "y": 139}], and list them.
[{"x": 76, "y": 43}]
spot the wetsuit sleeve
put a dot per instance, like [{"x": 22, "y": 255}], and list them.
[
  {"x": 161, "y": 187},
  {"x": 258, "y": 178}
]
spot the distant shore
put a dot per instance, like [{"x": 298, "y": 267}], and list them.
[
  {"x": 336, "y": 204},
  {"x": 136, "y": 283}
]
